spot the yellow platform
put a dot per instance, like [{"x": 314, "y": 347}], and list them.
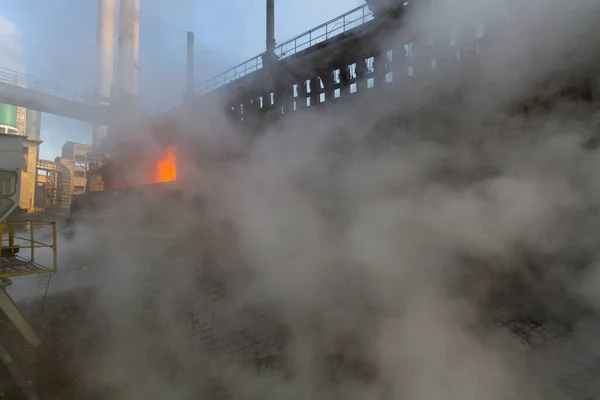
[{"x": 22, "y": 243}]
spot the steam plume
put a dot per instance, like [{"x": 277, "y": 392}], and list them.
[{"x": 380, "y": 241}]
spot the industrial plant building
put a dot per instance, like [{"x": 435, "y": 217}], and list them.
[
  {"x": 59, "y": 180},
  {"x": 74, "y": 156},
  {"x": 44, "y": 184},
  {"x": 20, "y": 121}
]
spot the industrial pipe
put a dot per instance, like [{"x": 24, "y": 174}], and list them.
[
  {"x": 106, "y": 60},
  {"x": 190, "y": 63},
  {"x": 270, "y": 54},
  {"x": 129, "y": 37}
]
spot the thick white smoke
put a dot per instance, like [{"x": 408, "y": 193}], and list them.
[{"x": 379, "y": 239}]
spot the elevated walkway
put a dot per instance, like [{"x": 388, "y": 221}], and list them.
[
  {"x": 330, "y": 29},
  {"x": 29, "y": 92},
  {"x": 46, "y": 165}
]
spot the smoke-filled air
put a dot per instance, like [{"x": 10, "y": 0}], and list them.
[{"x": 413, "y": 242}]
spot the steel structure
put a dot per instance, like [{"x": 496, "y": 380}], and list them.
[
  {"x": 19, "y": 247},
  {"x": 51, "y": 184},
  {"x": 22, "y": 90},
  {"x": 355, "y": 53},
  {"x": 58, "y": 191},
  {"x": 16, "y": 78},
  {"x": 313, "y": 37},
  {"x": 36, "y": 94},
  {"x": 19, "y": 251}
]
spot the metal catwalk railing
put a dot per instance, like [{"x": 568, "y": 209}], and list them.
[
  {"x": 21, "y": 80},
  {"x": 337, "y": 26},
  {"x": 321, "y": 33},
  {"x": 22, "y": 250}
]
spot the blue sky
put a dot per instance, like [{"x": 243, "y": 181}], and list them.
[{"x": 57, "y": 42}]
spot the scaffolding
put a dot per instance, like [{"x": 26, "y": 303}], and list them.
[
  {"x": 58, "y": 185},
  {"x": 22, "y": 255},
  {"x": 51, "y": 183},
  {"x": 65, "y": 186}
]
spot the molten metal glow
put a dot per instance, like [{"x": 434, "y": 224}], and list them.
[{"x": 166, "y": 168}]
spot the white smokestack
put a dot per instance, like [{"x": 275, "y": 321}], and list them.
[
  {"x": 106, "y": 60},
  {"x": 129, "y": 36}
]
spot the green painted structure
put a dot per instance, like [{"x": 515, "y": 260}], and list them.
[{"x": 8, "y": 115}]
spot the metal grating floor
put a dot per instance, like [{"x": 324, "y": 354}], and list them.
[{"x": 17, "y": 266}]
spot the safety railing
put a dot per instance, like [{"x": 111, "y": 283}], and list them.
[
  {"x": 237, "y": 72},
  {"x": 350, "y": 20},
  {"x": 46, "y": 165},
  {"x": 21, "y": 80},
  {"x": 20, "y": 248}
]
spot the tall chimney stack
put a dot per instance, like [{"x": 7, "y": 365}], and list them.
[
  {"x": 190, "y": 64},
  {"x": 270, "y": 56},
  {"x": 106, "y": 61},
  {"x": 129, "y": 37}
]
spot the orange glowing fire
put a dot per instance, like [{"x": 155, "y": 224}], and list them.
[{"x": 166, "y": 168}]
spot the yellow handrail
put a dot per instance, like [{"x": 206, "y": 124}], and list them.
[{"x": 13, "y": 262}]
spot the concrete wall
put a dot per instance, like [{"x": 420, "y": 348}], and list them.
[
  {"x": 29, "y": 175},
  {"x": 31, "y": 154},
  {"x": 27, "y": 199}
]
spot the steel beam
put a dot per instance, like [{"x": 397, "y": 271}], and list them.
[{"x": 14, "y": 314}]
